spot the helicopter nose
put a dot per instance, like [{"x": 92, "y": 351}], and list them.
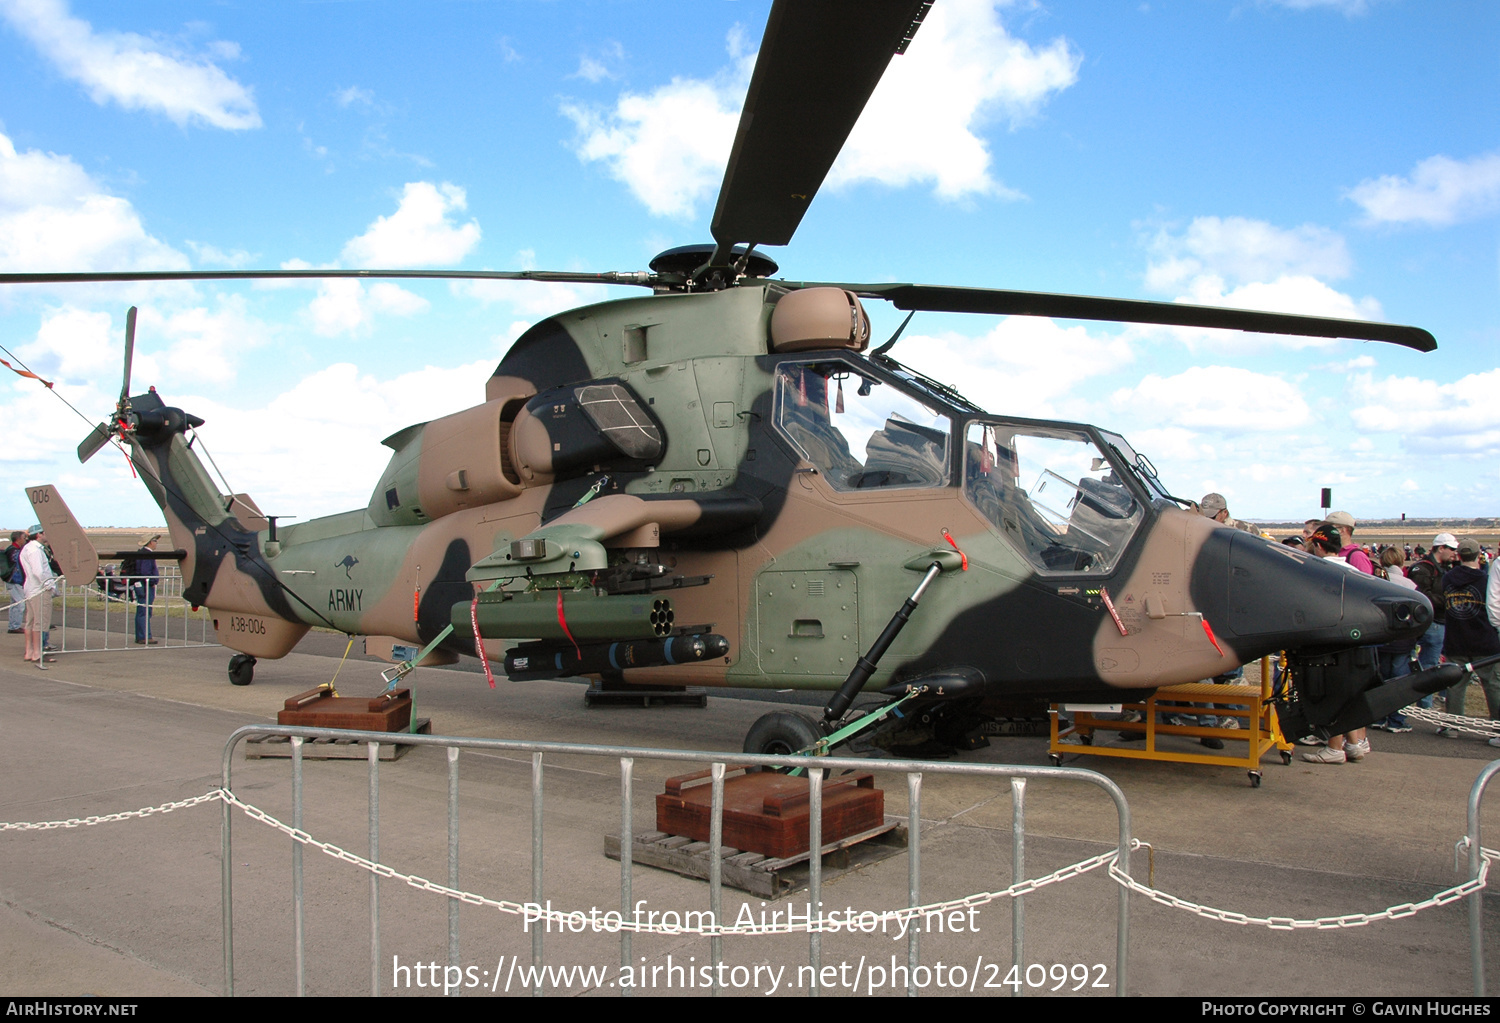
[{"x": 1265, "y": 596}]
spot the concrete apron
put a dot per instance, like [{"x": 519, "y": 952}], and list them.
[{"x": 132, "y": 908}]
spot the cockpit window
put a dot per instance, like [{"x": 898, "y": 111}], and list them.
[
  {"x": 1051, "y": 493},
  {"x": 861, "y": 432}
]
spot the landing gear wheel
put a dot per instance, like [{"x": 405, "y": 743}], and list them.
[
  {"x": 241, "y": 669},
  {"x": 1286, "y": 756},
  {"x": 781, "y": 733},
  {"x": 1254, "y": 779}
]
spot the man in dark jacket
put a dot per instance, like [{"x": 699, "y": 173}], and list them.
[
  {"x": 143, "y": 589},
  {"x": 1427, "y": 572},
  {"x": 1468, "y": 634}
]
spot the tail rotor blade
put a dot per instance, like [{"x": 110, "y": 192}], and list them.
[
  {"x": 129, "y": 352},
  {"x": 93, "y": 442}
]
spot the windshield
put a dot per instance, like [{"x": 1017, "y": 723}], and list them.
[
  {"x": 1052, "y": 493},
  {"x": 1137, "y": 463},
  {"x": 861, "y": 432}
]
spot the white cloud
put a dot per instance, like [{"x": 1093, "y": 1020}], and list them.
[
  {"x": 532, "y": 298},
  {"x": 1440, "y": 191},
  {"x": 1242, "y": 250},
  {"x": 346, "y": 412},
  {"x": 1250, "y": 264},
  {"x": 136, "y": 72},
  {"x": 85, "y": 348},
  {"x": 53, "y": 216},
  {"x": 421, "y": 231},
  {"x": 352, "y": 95},
  {"x": 1221, "y": 399},
  {"x": 1348, "y": 7},
  {"x": 597, "y": 69},
  {"x": 202, "y": 343},
  {"x": 961, "y": 70},
  {"x": 1014, "y": 367},
  {"x": 1460, "y": 417},
  {"x": 669, "y": 146},
  {"x": 173, "y": 346},
  {"x": 343, "y": 306},
  {"x": 212, "y": 255}
]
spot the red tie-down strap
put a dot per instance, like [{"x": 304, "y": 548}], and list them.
[
  {"x": 564, "y": 623},
  {"x": 479, "y": 640},
  {"x": 1209, "y": 632},
  {"x": 1109, "y": 605},
  {"x": 949, "y": 537}
]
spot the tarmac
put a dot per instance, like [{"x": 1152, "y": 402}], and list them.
[{"x": 132, "y": 908}]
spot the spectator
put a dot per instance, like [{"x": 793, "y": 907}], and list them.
[
  {"x": 38, "y": 592},
  {"x": 143, "y": 589},
  {"x": 1428, "y": 573},
  {"x": 1326, "y": 542},
  {"x": 1396, "y": 656},
  {"x": 15, "y": 581},
  {"x": 1214, "y": 507},
  {"x": 1469, "y": 634},
  {"x": 1351, "y": 551}
]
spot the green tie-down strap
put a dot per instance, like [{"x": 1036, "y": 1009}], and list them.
[{"x": 822, "y": 747}]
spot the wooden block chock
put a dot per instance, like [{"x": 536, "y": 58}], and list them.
[
  {"x": 769, "y": 813},
  {"x": 320, "y": 708}
]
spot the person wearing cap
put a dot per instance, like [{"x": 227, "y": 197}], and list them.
[
  {"x": 1213, "y": 506},
  {"x": 143, "y": 589},
  {"x": 1351, "y": 551},
  {"x": 37, "y": 590},
  {"x": 1469, "y": 635},
  {"x": 1427, "y": 572},
  {"x": 1325, "y": 543},
  {"x": 16, "y": 582}
]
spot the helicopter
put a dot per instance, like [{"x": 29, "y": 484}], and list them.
[{"x": 726, "y": 482}]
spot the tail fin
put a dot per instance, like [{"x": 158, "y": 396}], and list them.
[{"x": 73, "y": 550}]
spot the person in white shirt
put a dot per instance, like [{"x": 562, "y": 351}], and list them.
[{"x": 38, "y": 592}]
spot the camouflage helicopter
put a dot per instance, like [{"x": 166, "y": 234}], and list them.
[{"x": 722, "y": 483}]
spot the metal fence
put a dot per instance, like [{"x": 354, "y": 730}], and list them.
[
  {"x": 626, "y": 756},
  {"x": 115, "y": 611},
  {"x": 1476, "y": 856}
]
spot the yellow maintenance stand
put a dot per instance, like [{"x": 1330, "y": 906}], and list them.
[{"x": 1248, "y": 703}]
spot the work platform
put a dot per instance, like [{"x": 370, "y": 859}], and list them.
[{"x": 1248, "y": 704}]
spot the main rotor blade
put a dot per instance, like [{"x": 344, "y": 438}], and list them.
[
  {"x": 639, "y": 277},
  {"x": 129, "y": 352},
  {"x": 818, "y": 65},
  {"x": 933, "y": 298}
]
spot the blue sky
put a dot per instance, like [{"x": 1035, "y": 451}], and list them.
[{"x": 1339, "y": 157}]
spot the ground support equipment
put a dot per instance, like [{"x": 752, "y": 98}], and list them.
[{"x": 1250, "y": 705}]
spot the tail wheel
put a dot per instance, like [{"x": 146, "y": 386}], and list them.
[
  {"x": 781, "y": 733},
  {"x": 241, "y": 669}
]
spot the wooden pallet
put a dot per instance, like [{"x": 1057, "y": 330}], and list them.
[
  {"x": 761, "y": 875},
  {"x": 597, "y": 695},
  {"x": 268, "y": 747}
]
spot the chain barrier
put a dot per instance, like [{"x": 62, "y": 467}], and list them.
[
  {"x": 213, "y": 796},
  {"x": 1020, "y": 888},
  {"x": 557, "y": 916},
  {"x": 1458, "y": 722},
  {"x": 1322, "y": 923}
]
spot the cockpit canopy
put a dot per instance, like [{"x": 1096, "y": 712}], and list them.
[{"x": 1067, "y": 498}]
